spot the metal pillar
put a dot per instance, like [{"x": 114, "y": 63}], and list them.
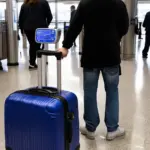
[
  {"x": 129, "y": 41},
  {"x": 46, "y": 48},
  {"x": 11, "y": 11},
  {"x": 56, "y": 14},
  {"x": 56, "y": 20}
]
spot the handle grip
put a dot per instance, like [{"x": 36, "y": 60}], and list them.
[
  {"x": 58, "y": 55},
  {"x": 42, "y": 69}
]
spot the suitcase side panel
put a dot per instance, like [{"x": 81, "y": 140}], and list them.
[
  {"x": 73, "y": 107},
  {"x": 30, "y": 125}
]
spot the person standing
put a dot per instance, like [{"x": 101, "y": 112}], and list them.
[
  {"x": 146, "y": 25},
  {"x": 73, "y": 11},
  {"x": 34, "y": 14},
  {"x": 105, "y": 23}
]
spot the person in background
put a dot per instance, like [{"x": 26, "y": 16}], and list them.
[
  {"x": 146, "y": 25},
  {"x": 34, "y": 14},
  {"x": 73, "y": 11},
  {"x": 105, "y": 23}
]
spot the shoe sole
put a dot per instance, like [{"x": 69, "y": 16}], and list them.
[
  {"x": 89, "y": 137},
  {"x": 145, "y": 56},
  {"x": 32, "y": 69},
  {"x": 118, "y": 136}
]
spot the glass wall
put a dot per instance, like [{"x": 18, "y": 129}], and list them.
[
  {"x": 63, "y": 15},
  {"x": 143, "y": 8},
  {"x": 2, "y": 10},
  {"x": 63, "y": 10}
]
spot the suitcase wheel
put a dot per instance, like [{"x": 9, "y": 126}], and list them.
[
  {"x": 78, "y": 148},
  {"x": 8, "y": 148}
]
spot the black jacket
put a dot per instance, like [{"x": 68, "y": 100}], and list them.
[
  {"x": 72, "y": 15},
  {"x": 105, "y": 23},
  {"x": 146, "y": 23},
  {"x": 33, "y": 16}
]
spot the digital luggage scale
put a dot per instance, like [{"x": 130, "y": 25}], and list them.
[{"x": 47, "y": 36}]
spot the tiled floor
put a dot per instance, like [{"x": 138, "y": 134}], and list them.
[{"x": 134, "y": 98}]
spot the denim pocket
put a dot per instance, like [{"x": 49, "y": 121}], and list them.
[{"x": 112, "y": 70}]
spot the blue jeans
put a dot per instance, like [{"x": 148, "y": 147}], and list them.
[{"x": 111, "y": 81}]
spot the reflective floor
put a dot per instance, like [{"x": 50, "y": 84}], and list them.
[{"x": 134, "y": 98}]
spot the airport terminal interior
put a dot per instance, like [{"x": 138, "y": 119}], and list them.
[{"x": 133, "y": 88}]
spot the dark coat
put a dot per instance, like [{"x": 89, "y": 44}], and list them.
[
  {"x": 105, "y": 23},
  {"x": 33, "y": 16}
]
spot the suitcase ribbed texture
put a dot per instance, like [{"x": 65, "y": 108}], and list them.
[{"x": 37, "y": 122}]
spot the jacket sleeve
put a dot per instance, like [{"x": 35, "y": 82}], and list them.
[
  {"x": 123, "y": 19},
  {"x": 145, "y": 21},
  {"x": 21, "y": 18},
  {"x": 48, "y": 13},
  {"x": 74, "y": 29}
]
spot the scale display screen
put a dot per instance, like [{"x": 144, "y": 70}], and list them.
[{"x": 46, "y": 35}]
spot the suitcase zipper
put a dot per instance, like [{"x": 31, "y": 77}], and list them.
[{"x": 68, "y": 117}]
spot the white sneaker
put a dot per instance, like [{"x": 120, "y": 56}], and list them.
[
  {"x": 120, "y": 132},
  {"x": 88, "y": 134}
]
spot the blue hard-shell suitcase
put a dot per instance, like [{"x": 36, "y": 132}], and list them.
[{"x": 42, "y": 118}]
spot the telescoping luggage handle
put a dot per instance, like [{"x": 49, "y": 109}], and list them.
[{"x": 42, "y": 77}]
